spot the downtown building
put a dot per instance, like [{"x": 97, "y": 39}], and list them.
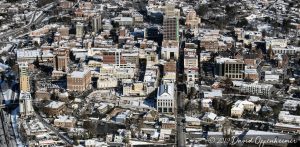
[
  {"x": 192, "y": 20},
  {"x": 79, "y": 30},
  {"x": 171, "y": 23},
  {"x": 171, "y": 28},
  {"x": 257, "y": 89},
  {"x": 61, "y": 59},
  {"x": 166, "y": 101},
  {"x": 79, "y": 80},
  {"x": 97, "y": 24},
  {"x": 170, "y": 45},
  {"x": 25, "y": 102},
  {"x": 230, "y": 68},
  {"x": 24, "y": 77},
  {"x": 60, "y": 62}
]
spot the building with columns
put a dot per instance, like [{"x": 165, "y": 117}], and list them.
[
  {"x": 25, "y": 104},
  {"x": 166, "y": 98}
]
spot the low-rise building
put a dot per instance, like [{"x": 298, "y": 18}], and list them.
[
  {"x": 286, "y": 117},
  {"x": 251, "y": 73},
  {"x": 257, "y": 89},
  {"x": 291, "y": 105},
  {"x": 131, "y": 88},
  {"x": 107, "y": 82},
  {"x": 124, "y": 21},
  {"x": 55, "y": 108},
  {"x": 206, "y": 103},
  {"x": 166, "y": 123},
  {"x": 94, "y": 143},
  {"x": 103, "y": 108},
  {"x": 65, "y": 121},
  {"x": 121, "y": 118},
  {"x": 276, "y": 42},
  {"x": 209, "y": 117},
  {"x": 166, "y": 98},
  {"x": 239, "y": 107},
  {"x": 210, "y": 43}
]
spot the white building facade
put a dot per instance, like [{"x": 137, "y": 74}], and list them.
[{"x": 166, "y": 98}]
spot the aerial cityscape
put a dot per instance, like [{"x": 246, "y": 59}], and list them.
[{"x": 143, "y": 73}]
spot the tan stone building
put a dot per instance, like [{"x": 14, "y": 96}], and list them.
[
  {"x": 79, "y": 80},
  {"x": 170, "y": 66},
  {"x": 24, "y": 77},
  {"x": 61, "y": 59},
  {"x": 190, "y": 59},
  {"x": 210, "y": 43},
  {"x": 65, "y": 122},
  {"x": 192, "y": 20},
  {"x": 170, "y": 23}
]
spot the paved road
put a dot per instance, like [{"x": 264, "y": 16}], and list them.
[
  {"x": 181, "y": 136},
  {"x": 7, "y": 131},
  {"x": 180, "y": 116}
]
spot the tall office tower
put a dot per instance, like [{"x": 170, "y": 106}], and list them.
[
  {"x": 171, "y": 23},
  {"x": 97, "y": 24},
  {"x": 24, "y": 77},
  {"x": 79, "y": 29},
  {"x": 25, "y": 104},
  {"x": 61, "y": 59}
]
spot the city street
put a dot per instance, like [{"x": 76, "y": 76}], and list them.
[{"x": 181, "y": 137}]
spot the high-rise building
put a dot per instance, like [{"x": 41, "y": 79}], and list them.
[
  {"x": 171, "y": 26},
  {"x": 25, "y": 104},
  {"x": 171, "y": 23},
  {"x": 24, "y": 77},
  {"x": 60, "y": 59},
  {"x": 79, "y": 29},
  {"x": 97, "y": 24}
]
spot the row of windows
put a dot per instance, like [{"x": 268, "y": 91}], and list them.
[
  {"x": 234, "y": 76},
  {"x": 164, "y": 104},
  {"x": 165, "y": 110},
  {"x": 80, "y": 88},
  {"x": 285, "y": 51},
  {"x": 235, "y": 66}
]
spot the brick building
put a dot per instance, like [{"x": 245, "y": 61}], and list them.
[{"x": 79, "y": 80}]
